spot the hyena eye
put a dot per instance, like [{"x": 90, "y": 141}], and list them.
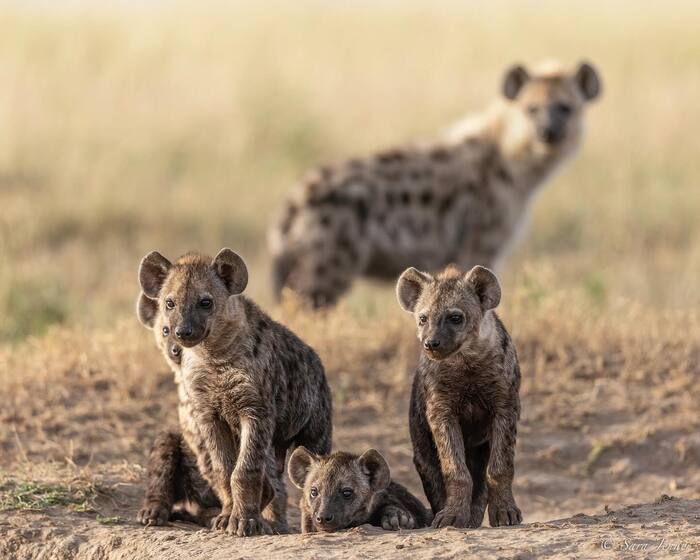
[
  {"x": 563, "y": 108},
  {"x": 205, "y": 303},
  {"x": 169, "y": 303},
  {"x": 422, "y": 319},
  {"x": 347, "y": 493},
  {"x": 314, "y": 492},
  {"x": 456, "y": 319},
  {"x": 166, "y": 331},
  {"x": 175, "y": 350}
]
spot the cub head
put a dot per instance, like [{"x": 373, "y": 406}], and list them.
[
  {"x": 448, "y": 307},
  {"x": 338, "y": 489},
  {"x": 552, "y": 102},
  {"x": 151, "y": 318},
  {"x": 193, "y": 293}
]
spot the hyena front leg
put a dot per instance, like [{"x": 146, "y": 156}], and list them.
[{"x": 499, "y": 473}]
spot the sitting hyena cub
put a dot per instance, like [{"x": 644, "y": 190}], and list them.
[
  {"x": 465, "y": 403},
  {"x": 343, "y": 490},
  {"x": 249, "y": 389},
  {"x": 175, "y": 487}
]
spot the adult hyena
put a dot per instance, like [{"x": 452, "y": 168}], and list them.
[{"x": 462, "y": 199}]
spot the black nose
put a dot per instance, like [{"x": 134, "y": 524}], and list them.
[
  {"x": 551, "y": 135},
  {"x": 326, "y": 518},
  {"x": 183, "y": 332},
  {"x": 431, "y": 344}
]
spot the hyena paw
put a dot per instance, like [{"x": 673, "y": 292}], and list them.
[
  {"x": 153, "y": 513},
  {"x": 248, "y": 525},
  {"x": 395, "y": 518},
  {"x": 220, "y": 522},
  {"x": 501, "y": 514},
  {"x": 451, "y": 517}
]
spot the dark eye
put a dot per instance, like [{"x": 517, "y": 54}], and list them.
[
  {"x": 166, "y": 331},
  {"x": 456, "y": 319},
  {"x": 532, "y": 109},
  {"x": 563, "y": 108},
  {"x": 314, "y": 492},
  {"x": 175, "y": 350},
  {"x": 205, "y": 303},
  {"x": 422, "y": 320},
  {"x": 169, "y": 303},
  {"x": 347, "y": 493}
]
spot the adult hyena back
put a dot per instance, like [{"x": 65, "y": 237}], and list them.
[{"x": 460, "y": 200}]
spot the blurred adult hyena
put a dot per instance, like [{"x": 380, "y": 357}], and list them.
[
  {"x": 462, "y": 199},
  {"x": 465, "y": 401},
  {"x": 249, "y": 388}
]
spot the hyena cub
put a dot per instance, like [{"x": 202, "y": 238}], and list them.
[
  {"x": 175, "y": 487},
  {"x": 464, "y": 403},
  {"x": 343, "y": 490},
  {"x": 249, "y": 388}
]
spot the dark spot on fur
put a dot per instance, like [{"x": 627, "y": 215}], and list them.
[
  {"x": 503, "y": 174},
  {"x": 405, "y": 198},
  {"x": 320, "y": 270},
  {"x": 426, "y": 198},
  {"x": 439, "y": 154},
  {"x": 446, "y": 203},
  {"x": 391, "y": 156},
  {"x": 362, "y": 209},
  {"x": 325, "y": 220}
]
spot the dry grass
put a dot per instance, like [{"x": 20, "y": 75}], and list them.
[{"x": 127, "y": 129}]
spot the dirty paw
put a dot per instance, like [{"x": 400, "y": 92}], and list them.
[
  {"x": 220, "y": 522},
  {"x": 451, "y": 517},
  {"x": 394, "y": 518},
  {"x": 153, "y": 514},
  {"x": 504, "y": 514},
  {"x": 248, "y": 525}
]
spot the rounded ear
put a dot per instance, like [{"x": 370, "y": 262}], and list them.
[
  {"x": 153, "y": 270},
  {"x": 516, "y": 77},
  {"x": 588, "y": 82},
  {"x": 486, "y": 286},
  {"x": 232, "y": 270},
  {"x": 300, "y": 462},
  {"x": 147, "y": 309},
  {"x": 375, "y": 467},
  {"x": 410, "y": 286}
]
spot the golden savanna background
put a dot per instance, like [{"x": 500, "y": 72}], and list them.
[{"x": 127, "y": 127}]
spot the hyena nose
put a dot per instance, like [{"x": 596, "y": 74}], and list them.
[
  {"x": 431, "y": 344},
  {"x": 325, "y": 518},
  {"x": 183, "y": 332}
]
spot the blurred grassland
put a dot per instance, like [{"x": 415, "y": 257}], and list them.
[{"x": 181, "y": 126}]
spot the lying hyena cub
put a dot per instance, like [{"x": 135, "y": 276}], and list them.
[
  {"x": 176, "y": 488},
  {"x": 343, "y": 490},
  {"x": 249, "y": 388},
  {"x": 465, "y": 403}
]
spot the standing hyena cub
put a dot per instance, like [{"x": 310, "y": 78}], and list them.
[
  {"x": 343, "y": 490},
  {"x": 465, "y": 403},
  {"x": 462, "y": 199},
  {"x": 249, "y": 388}
]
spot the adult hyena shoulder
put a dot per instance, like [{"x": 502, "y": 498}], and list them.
[
  {"x": 462, "y": 199},
  {"x": 249, "y": 388}
]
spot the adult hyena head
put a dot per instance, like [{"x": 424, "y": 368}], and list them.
[
  {"x": 552, "y": 103},
  {"x": 449, "y": 307},
  {"x": 193, "y": 294},
  {"x": 338, "y": 489}
]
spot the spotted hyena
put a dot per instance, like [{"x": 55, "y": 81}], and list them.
[
  {"x": 462, "y": 199},
  {"x": 344, "y": 490},
  {"x": 465, "y": 401},
  {"x": 249, "y": 388}
]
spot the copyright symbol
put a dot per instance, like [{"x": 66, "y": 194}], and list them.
[{"x": 606, "y": 545}]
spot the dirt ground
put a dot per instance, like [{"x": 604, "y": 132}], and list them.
[{"x": 609, "y": 419}]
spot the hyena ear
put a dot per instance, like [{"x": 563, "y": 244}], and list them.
[
  {"x": 485, "y": 286},
  {"x": 152, "y": 273},
  {"x": 147, "y": 309},
  {"x": 588, "y": 82},
  {"x": 516, "y": 77},
  {"x": 410, "y": 286},
  {"x": 375, "y": 467},
  {"x": 300, "y": 462},
  {"x": 232, "y": 270}
]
